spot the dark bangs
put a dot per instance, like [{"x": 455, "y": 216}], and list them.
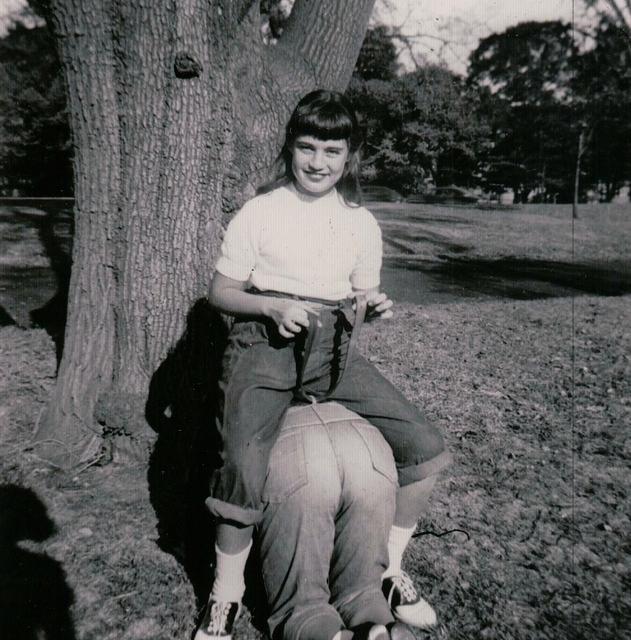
[
  {"x": 325, "y": 115},
  {"x": 321, "y": 125}
]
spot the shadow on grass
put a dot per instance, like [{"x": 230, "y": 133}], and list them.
[
  {"x": 582, "y": 278},
  {"x": 5, "y": 318},
  {"x": 54, "y": 230},
  {"x": 455, "y": 279},
  {"x": 181, "y": 407},
  {"x": 35, "y": 598},
  {"x": 401, "y": 239}
]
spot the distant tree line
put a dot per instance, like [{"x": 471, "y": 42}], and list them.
[
  {"x": 513, "y": 122},
  {"x": 541, "y": 85},
  {"x": 35, "y": 140},
  {"x": 422, "y": 127}
]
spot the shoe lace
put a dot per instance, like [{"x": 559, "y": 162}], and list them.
[
  {"x": 405, "y": 585},
  {"x": 219, "y": 616}
]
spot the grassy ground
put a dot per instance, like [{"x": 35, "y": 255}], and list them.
[
  {"x": 601, "y": 234},
  {"x": 534, "y": 398}
]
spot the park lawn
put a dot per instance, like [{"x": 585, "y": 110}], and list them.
[
  {"x": 534, "y": 399},
  {"x": 600, "y": 236}
]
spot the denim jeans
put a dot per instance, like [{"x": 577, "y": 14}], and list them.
[
  {"x": 257, "y": 387},
  {"x": 329, "y": 503}
]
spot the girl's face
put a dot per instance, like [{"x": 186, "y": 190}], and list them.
[{"x": 318, "y": 164}]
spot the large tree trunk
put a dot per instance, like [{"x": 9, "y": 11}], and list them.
[{"x": 177, "y": 110}]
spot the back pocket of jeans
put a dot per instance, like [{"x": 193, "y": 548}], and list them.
[
  {"x": 286, "y": 471},
  {"x": 379, "y": 450}
]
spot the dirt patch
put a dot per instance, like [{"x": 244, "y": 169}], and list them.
[{"x": 535, "y": 400}]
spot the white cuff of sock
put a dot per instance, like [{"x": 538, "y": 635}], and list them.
[
  {"x": 229, "y": 584},
  {"x": 397, "y": 542}
]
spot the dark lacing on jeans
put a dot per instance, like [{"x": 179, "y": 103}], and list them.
[
  {"x": 338, "y": 371},
  {"x": 303, "y": 395}
]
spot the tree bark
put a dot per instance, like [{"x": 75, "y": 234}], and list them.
[
  {"x": 63, "y": 434},
  {"x": 577, "y": 172},
  {"x": 177, "y": 111}
]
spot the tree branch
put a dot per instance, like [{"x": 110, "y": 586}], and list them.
[
  {"x": 231, "y": 21},
  {"x": 624, "y": 23},
  {"x": 238, "y": 10},
  {"x": 322, "y": 39},
  {"x": 613, "y": 10},
  {"x": 445, "y": 43},
  {"x": 618, "y": 11},
  {"x": 420, "y": 36},
  {"x": 405, "y": 41}
]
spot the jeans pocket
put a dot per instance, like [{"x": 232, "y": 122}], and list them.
[
  {"x": 286, "y": 471},
  {"x": 380, "y": 453},
  {"x": 249, "y": 332}
]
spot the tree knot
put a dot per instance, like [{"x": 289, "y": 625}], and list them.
[
  {"x": 185, "y": 66},
  {"x": 120, "y": 413}
]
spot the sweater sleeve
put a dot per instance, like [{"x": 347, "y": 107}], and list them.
[
  {"x": 239, "y": 249},
  {"x": 367, "y": 271}
]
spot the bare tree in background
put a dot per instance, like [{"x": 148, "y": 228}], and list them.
[
  {"x": 446, "y": 42},
  {"x": 177, "y": 110},
  {"x": 616, "y": 12}
]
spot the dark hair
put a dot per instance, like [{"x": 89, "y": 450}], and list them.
[{"x": 325, "y": 115}]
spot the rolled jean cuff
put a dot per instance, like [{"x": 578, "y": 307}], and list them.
[
  {"x": 367, "y": 605},
  {"x": 228, "y": 511},
  {"x": 412, "y": 474},
  {"x": 321, "y": 624}
]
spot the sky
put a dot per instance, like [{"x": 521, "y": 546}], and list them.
[
  {"x": 463, "y": 22},
  {"x": 460, "y": 22},
  {"x": 495, "y": 14}
]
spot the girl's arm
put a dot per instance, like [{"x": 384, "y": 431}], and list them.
[
  {"x": 379, "y": 305},
  {"x": 229, "y": 296}
]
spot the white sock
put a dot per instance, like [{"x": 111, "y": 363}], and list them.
[
  {"x": 229, "y": 584},
  {"x": 397, "y": 542}
]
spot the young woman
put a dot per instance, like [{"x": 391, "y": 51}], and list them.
[{"x": 299, "y": 265}]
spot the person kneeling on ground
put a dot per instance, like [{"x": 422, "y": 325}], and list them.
[{"x": 329, "y": 502}]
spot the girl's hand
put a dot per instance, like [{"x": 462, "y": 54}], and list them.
[
  {"x": 289, "y": 315},
  {"x": 379, "y": 306}
]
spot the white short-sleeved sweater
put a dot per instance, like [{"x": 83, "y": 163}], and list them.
[{"x": 313, "y": 247}]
